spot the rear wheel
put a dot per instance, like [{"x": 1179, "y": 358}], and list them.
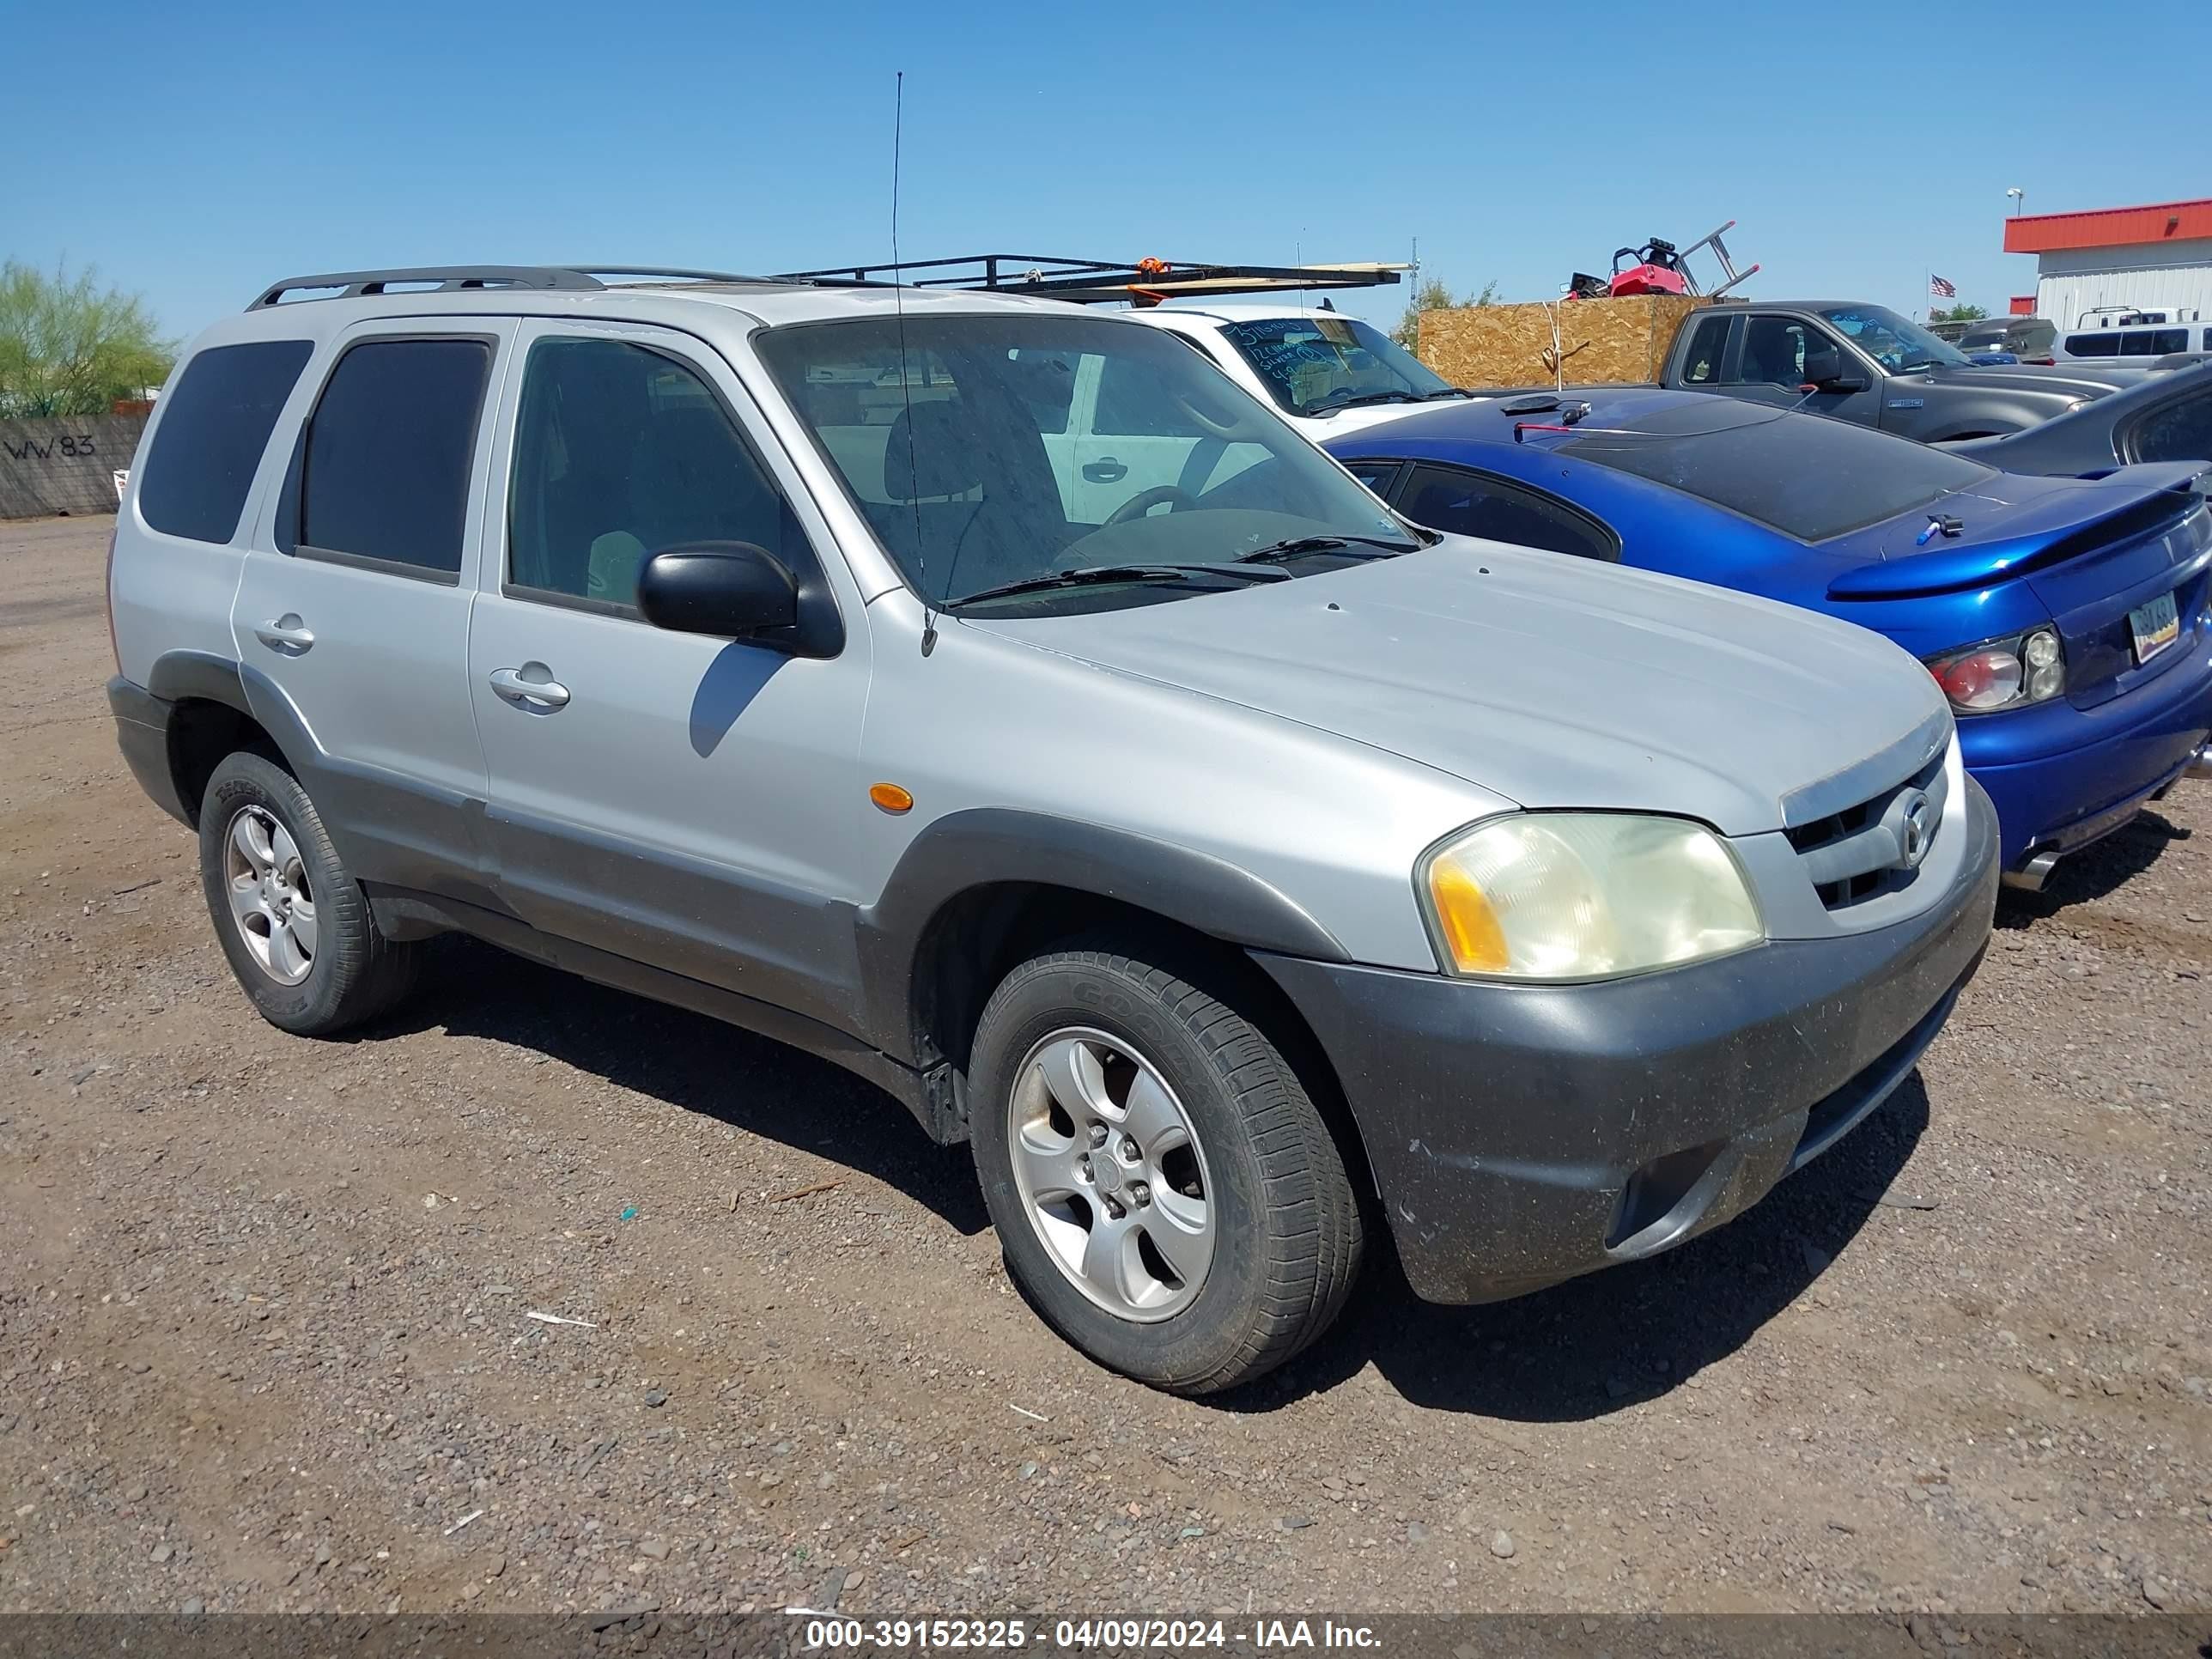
[
  {"x": 1164, "y": 1189},
  {"x": 295, "y": 926}
]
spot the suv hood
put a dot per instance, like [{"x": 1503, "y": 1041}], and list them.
[{"x": 1548, "y": 680}]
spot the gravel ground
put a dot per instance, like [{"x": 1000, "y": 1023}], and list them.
[{"x": 266, "y": 1332}]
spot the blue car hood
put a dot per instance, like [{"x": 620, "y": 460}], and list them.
[{"x": 2011, "y": 525}]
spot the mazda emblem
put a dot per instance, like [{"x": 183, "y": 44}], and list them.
[{"x": 1915, "y": 827}]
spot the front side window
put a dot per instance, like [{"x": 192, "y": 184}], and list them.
[
  {"x": 955, "y": 459},
  {"x": 385, "y": 464},
  {"x": 620, "y": 452},
  {"x": 1323, "y": 362},
  {"x": 2093, "y": 345},
  {"x": 1807, "y": 476},
  {"x": 1774, "y": 351},
  {"x": 1898, "y": 345},
  {"x": 214, "y": 423},
  {"x": 1469, "y": 503}
]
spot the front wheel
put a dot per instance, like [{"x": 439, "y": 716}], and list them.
[{"x": 1164, "y": 1187}]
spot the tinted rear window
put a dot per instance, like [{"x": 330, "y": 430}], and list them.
[
  {"x": 1804, "y": 475},
  {"x": 214, "y": 423},
  {"x": 389, "y": 451}
]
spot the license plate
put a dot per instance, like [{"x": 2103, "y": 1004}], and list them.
[{"x": 2155, "y": 626}]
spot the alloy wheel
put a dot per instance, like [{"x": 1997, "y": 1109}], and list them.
[
  {"x": 1111, "y": 1174},
  {"x": 270, "y": 897}
]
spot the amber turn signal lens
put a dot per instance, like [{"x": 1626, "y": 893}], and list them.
[
  {"x": 1471, "y": 927},
  {"x": 890, "y": 797}
]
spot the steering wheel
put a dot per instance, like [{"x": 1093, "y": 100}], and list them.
[{"x": 1146, "y": 499}]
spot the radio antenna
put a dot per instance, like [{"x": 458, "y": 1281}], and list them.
[{"x": 906, "y": 383}]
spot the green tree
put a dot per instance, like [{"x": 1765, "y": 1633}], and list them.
[
  {"x": 1958, "y": 314},
  {"x": 1434, "y": 295},
  {"x": 69, "y": 348}
]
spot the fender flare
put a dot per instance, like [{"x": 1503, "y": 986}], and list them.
[
  {"x": 985, "y": 846},
  {"x": 182, "y": 675}
]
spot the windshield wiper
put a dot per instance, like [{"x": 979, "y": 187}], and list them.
[
  {"x": 1113, "y": 572},
  {"x": 1291, "y": 547},
  {"x": 1446, "y": 392},
  {"x": 1332, "y": 402}
]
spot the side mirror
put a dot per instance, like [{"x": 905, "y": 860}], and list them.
[
  {"x": 732, "y": 590},
  {"x": 1836, "y": 382}
]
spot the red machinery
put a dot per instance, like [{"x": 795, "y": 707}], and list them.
[{"x": 1660, "y": 268}]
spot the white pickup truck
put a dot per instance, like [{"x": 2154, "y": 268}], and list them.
[{"x": 1328, "y": 373}]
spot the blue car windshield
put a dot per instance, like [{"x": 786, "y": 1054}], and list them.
[
  {"x": 1322, "y": 361},
  {"x": 1803, "y": 474}
]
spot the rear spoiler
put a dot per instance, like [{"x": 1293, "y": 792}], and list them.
[{"x": 1960, "y": 569}]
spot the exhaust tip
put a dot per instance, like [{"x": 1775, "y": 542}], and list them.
[
  {"x": 2033, "y": 871},
  {"x": 2200, "y": 763}
]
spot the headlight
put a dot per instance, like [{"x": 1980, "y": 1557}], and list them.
[
  {"x": 1562, "y": 895},
  {"x": 2022, "y": 668}
]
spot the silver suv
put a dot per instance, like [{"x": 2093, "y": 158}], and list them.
[{"x": 1238, "y": 868}]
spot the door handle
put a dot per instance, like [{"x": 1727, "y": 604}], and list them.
[
  {"x": 531, "y": 695},
  {"x": 1105, "y": 470},
  {"x": 288, "y": 635}
]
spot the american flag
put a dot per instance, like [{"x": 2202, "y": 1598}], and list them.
[{"x": 1942, "y": 287}]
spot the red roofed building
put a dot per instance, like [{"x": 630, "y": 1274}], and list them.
[{"x": 2157, "y": 257}]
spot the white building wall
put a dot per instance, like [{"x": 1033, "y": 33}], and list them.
[{"x": 2165, "y": 274}]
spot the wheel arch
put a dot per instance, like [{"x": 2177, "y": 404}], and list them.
[
  {"x": 980, "y": 891},
  {"x": 215, "y": 711}
]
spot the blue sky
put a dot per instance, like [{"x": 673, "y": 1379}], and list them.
[{"x": 196, "y": 152}]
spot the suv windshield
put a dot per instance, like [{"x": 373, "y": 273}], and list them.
[
  {"x": 954, "y": 439},
  {"x": 1804, "y": 475},
  {"x": 1322, "y": 361},
  {"x": 1898, "y": 344},
  {"x": 1983, "y": 335}
]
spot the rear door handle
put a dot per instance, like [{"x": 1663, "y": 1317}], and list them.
[
  {"x": 538, "y": 697},
  {"x": 1105, "y": 470},
  {"x": 288, "y": 635}
]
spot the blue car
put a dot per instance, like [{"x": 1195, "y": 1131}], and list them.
[{"x": 2067, "y": 619}]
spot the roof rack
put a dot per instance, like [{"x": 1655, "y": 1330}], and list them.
[
  {"x": 446, "y": 279},
  {"x": 1093, "y": 282}
]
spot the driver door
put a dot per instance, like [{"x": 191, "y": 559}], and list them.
[{"x": 1781, "y": 353}]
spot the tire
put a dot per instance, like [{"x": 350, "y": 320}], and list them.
[
  {"x": 338, "y": 970},
  {"x": 1282, "y": 1225}
]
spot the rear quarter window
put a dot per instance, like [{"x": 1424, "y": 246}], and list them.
[{"x": 214, "y": 423}]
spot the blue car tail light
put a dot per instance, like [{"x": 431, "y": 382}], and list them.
[{"x": 2003, "y": 673}]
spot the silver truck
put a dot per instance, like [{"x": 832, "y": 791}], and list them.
[
  {"x": 1238, "y": 869},
  {"x": 1866, "y": 363}
]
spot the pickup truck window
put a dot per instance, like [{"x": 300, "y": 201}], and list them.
[
  {"x": 1802, "y": 475},
  {"x": 1322, "y": 361},
  {"x": 1701, "y": 363},
  {"x": 1899, "y": 345},
  {"x": 1774, "y": 351},
  {"x": 967, "y": 486}
]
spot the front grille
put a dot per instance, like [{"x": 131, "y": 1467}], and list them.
[{"x": 1858, "y": 853}]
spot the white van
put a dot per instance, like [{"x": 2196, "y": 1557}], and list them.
[{"x": 2129, "y": 331}]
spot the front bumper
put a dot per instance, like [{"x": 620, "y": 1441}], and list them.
[{"x": 1524, "y": 1134}]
